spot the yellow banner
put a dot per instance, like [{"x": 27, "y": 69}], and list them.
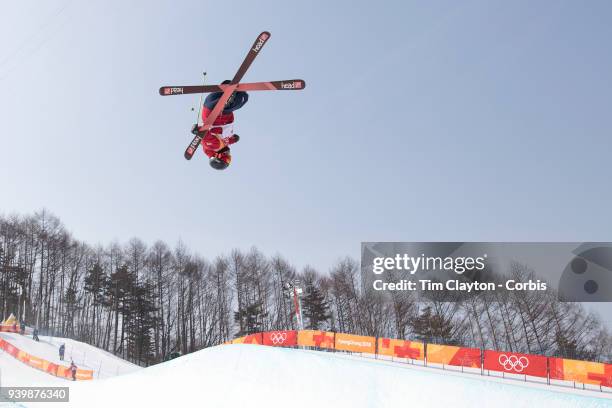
[
  {"x": 414, "y": 350},
  {"x": 84, "y": 374},
  {"x": 441, "y": 354},
  {"x": 36, "y": 362},
  {"x": 23, "y": 356},
  {"x": 453, "y": 355},
  {"x": 352, "y": 342},
  {"x": 316, "y": 338},
  {"x": 249, "y": 339},
  {"x": 587, "y": 372}
]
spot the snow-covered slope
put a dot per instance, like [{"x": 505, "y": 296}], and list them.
[
  {"x": 258, "y": 376},
  {"x": 13, "y": 373},
  {"x": 104, "y": 364}
]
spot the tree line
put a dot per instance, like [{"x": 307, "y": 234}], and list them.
[{"x": 145, "y": 302}]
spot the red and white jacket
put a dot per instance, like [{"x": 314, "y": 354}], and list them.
[{"x": 217, "y": 138}]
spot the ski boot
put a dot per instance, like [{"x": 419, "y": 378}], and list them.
[{"x": 195, "y": 130}]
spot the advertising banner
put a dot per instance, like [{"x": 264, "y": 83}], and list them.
[
  {"x": 581, "y": 371},
  {"x": 316, "y": 338},
  {"x": 84, "y": 374},
  {"x": 515, "y": 363},
  {"x": 36, "y": 362},
  {"x": 10, "y": 349},
  {"x": 280, "y": 338},
  {"x": 249, "y": 339},
  {"x": 63, "y": 372},
  {"x": 401, "y": 348},
  {"x": 51, "y": 368},
  {"x": 358, "y": 344},
  {"x": 23, "y": 356},
  {"x": 453, "y": 355}
]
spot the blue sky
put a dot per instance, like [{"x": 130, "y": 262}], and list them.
[{"x": 421, "y": 121}]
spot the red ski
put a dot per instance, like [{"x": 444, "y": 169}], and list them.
[
  {"x": 287, "y": 85},
  {"x": 210, "y": 119}
]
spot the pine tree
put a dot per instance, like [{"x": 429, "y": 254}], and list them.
[
  {"x": 250, "y": 319},
  {"x": 116, "y": 293},
  {"x": 141, "y": 323},
  {"x": 315, "y": 308},
  {"x": 95, "y": 284},
  {"x": 431, "y": 327},
  {"x": 568, "y": 348},
  {"x": 72, "y": 305}
]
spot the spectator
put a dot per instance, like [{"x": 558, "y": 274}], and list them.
[
  {"x": 22, "y": 328},
  {"x": 73, "y": 370},
  {"x": 61, "y": 351},
  {"x": 35, "y": 334}
]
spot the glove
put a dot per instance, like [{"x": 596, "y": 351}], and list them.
[{"x": 231, "y": 139}]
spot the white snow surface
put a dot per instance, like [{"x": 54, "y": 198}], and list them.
[
  {"x": 257, "y": 376},
  {"x": 85, "y": 356}
]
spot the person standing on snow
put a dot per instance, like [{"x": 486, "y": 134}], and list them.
[
  {"x": 62, "y": 349},
  {"x": 217, "y": 141},
  {"x": 35, "y": 334},
  {"x": 73, "y": 370}
]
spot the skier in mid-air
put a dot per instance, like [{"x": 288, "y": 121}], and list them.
[
  {"x": 216, "y": 132},
  {"x": 216, "y": 143}
]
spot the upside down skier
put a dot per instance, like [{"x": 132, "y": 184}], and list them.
[
  {"x": 216, "y": 143},
  {"x": 216, "y": 132}
]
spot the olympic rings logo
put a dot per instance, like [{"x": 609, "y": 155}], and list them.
[
  {"x": 513, "y": 363},
  {"x": 278, "y": 337}
]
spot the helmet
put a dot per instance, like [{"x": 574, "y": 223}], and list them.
[{"x": 218, "y": 164}]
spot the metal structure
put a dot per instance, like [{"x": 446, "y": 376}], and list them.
[{"x": 294, "y": 291}]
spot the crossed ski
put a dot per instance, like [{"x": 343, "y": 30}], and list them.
[
  {"x": 287, "y": 85},
  {"x": 293, "y": 84}
]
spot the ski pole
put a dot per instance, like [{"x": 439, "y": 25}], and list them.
[{"x": 201, "y": 97}]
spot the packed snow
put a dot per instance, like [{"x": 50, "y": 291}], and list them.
[
  {"x": 85, "y": 356},
  {"x": 258, "y": 376}
]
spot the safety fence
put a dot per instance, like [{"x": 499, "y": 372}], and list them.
[
  {"x": 9, "y": 328},
  {"x": 57, "y": 370},
  {"x": 486, "y": 362},
  {"x": 528, "y": 367}
]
